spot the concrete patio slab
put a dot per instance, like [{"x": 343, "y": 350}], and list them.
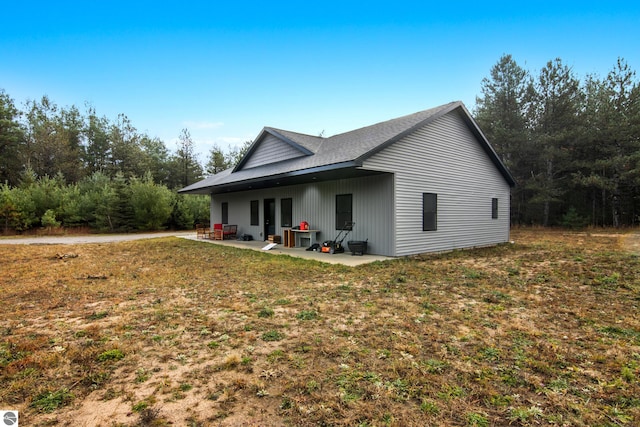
[{"x": 344, "y": 258}]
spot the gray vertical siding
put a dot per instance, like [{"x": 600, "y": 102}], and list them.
[
  {"x": 315, "y": 203},
  {"x": 444, "y": 158},
  {"x": 271, "y": 150}
]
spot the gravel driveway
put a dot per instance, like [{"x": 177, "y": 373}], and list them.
[{"x": 89, "y": 238}]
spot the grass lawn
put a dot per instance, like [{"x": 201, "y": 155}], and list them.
[{"x": 168, "y": 331}]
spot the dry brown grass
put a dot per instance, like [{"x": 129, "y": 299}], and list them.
[{"x": 542, "y": 332}]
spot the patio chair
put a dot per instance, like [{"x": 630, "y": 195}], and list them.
[
  {"x": 218, "y": 232},
  {"x": 229, "y": 231}
]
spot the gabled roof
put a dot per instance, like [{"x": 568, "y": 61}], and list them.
[
  {"x": 332, "y": 157},
  {"x": 298, "y": 144}
]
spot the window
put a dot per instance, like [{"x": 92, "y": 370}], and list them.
[
  {"x": 286, "y": 212},
  {"x": 343, "y": 210},
  {"x": 494, "y": 208},
  {"x": 429, "y": 211},
  {"x": 255, "y": 212},
  {"x": 225, "y": 213}
]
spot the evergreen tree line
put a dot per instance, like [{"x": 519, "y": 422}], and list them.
[
  {"x": 60, "y": 167},
  {"x": 98, "y": 202},
  {"x": 572, "y": 145}
]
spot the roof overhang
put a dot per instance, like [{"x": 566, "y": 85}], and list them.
[
  {"x": 326, "y": 164},
  {"x": 319, "y": 174}
]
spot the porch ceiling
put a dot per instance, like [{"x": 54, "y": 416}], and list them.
[{"x": 291, "y": 178}]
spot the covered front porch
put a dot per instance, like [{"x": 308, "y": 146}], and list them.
[{"x": 345, "y": 258}]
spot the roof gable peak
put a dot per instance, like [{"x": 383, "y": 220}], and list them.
[{"x": 271, "y": 146}]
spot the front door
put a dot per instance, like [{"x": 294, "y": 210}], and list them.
[{"x": 269, "y": 217}]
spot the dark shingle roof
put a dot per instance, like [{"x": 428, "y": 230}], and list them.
[
  {"x": 309, "y": 142},
  {"x": 347, "y": 149}
]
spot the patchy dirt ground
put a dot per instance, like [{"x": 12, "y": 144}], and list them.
[
  {"x": 544, "y": 331},
  {"x": 631, "y": 242}
]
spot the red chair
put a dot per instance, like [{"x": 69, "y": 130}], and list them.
[{"x": 218, "y": 233}]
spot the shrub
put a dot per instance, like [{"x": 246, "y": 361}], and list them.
[
  {"x": 151, "y": 204},
  {"x": 272, "y": 336},
  {"x": 50, "y": 401},
  {"x": 182, "y": 218},
  {"x": 266, "y": 312},
  {"x": 114, "y": 354},
  {"x": 49, "y": 219},
  {"x": 573, "y": 220},
  {"x": 307, "y": 315}
]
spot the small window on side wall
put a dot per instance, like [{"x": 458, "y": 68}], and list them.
[
  {"x": 255, "y": 215},
  {"x": 286, "y": 212},
  {"x": 494, "y": 208},
  {"x": 225, "y": 213},
  {"x": 429, "y": 211}
]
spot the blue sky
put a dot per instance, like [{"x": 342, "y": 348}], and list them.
[{"x": 225, "y": 70}]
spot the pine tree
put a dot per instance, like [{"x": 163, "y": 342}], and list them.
[
  {"x": 217, "y": 161},
  {"x": 555, "y": 121},
  {"x": 11, "y": 139},
  {"x": 501, "y": 112}
]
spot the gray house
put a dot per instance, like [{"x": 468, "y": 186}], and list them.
[{"x": 425, "y": 182}]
